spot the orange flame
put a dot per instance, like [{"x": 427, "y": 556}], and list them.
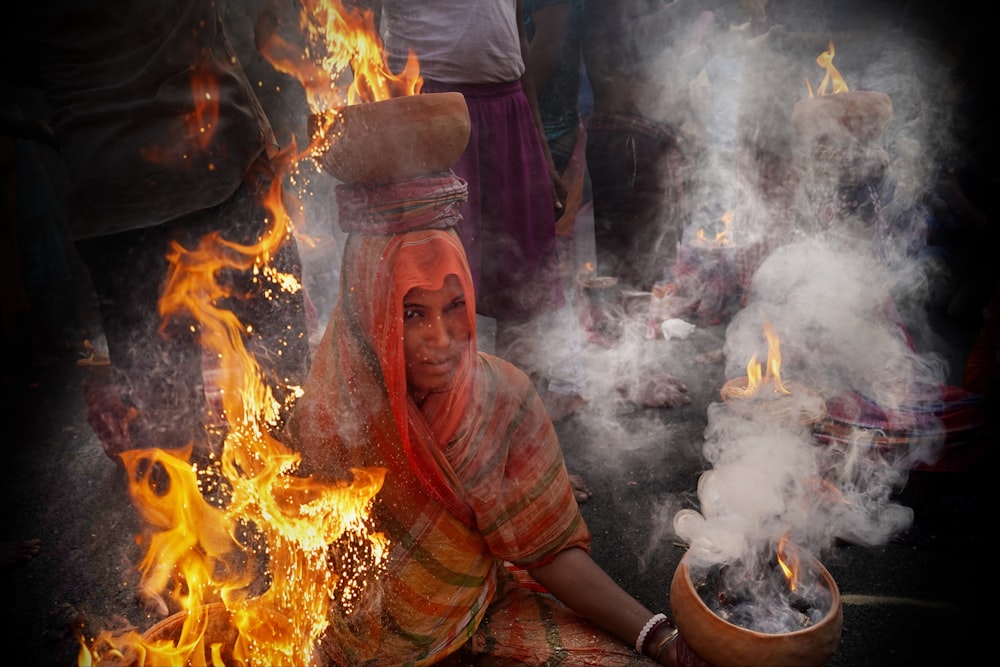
[
  {"x": 341, "y": 44},
  {"x": 758, "y": 374},
  {"x": 788, "y": 560},
  {"x": 832, "y": 80},
  {"x": 198, "y": 551},
  {"x": 721, "y": 238}
]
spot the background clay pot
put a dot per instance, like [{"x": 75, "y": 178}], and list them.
[
  {"x": 861, "y": 115},
  {"x": 392, "y": 140},
  {"x": 726, "y": 645}
]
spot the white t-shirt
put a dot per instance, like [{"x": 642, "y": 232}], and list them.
[{"x": 455, "y": 41}]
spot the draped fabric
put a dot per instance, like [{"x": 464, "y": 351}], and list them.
[{"x": 474, "y": 476}]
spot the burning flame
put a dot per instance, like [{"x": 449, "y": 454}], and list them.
[
  {"x": 200, "y": 122},
  {"x": 832, "y": 78},
  {"x": 758, "y": 374},
  {"x": 721, "y": 238},
  {"x": 251, "y": 535},
  {"x": 788, "y": 561},
  {"x": 341, "y": 44},
  {"x": 198, "y": 549}
]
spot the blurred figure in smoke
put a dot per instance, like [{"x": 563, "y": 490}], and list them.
[
  {"x": 164, "y": 142},
  {"x": 642, "y": 143}
]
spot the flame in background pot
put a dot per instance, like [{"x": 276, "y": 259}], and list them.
[
  {"x": 761, "y": 375},
  {"x": 252, "y": 536},
  {"x": 832, "y": 79}
]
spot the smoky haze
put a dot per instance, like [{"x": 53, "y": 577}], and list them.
[{"x": 844, "y": 299}]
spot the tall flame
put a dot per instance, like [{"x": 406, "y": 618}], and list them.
[
  {"x": 759, "y": 375},
  {"x": 788, "y": 561},
  {"x": 832, "y": 80},
  {"x": 251, "y": 535}
]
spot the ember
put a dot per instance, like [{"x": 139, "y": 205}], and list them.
[{"x": 759, "y": 597}]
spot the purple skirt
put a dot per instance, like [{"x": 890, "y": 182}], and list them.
[{"x": 508, "y": 222}]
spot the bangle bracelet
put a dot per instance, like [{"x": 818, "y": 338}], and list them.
[
  {"x": 664, "y": 645},
  {"x": 654, "y": 620}
]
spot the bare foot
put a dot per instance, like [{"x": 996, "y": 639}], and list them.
[
  {"x": 580, "y": 488},
  {"x": 16, "y": 552},
  {"x": 655, "y": 390}
]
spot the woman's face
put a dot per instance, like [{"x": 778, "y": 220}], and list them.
[{"x": 435, "y": 337}]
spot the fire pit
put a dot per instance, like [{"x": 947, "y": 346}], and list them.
[
  {"x": 391, "y": 140},
  {"x": 817, "y": 612}
]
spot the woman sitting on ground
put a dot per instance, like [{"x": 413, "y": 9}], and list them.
[{"x": 489, "y": 555}]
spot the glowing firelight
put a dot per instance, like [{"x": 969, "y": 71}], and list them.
[
  {"x": 832, "y": 80},
  {"x": 759, "y": 375},
  {"x": 721, "y": 238},
  {"x": 252, "y": 535},
  {"x": 788, "y": 561}
]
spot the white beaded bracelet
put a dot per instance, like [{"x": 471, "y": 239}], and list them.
[{"x": 641, "y": 639}]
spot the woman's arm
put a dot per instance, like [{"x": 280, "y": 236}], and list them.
[{"x": 584, "y": 587}]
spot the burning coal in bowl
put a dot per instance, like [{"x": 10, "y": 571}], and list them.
[{"x": 779, "y": 607}]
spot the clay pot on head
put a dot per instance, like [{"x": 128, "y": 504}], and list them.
[
  {"x": 392, "y": 140},
  {"x": 724, "y": 644}
]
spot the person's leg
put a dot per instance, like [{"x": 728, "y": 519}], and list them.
[
  {"x": 637, "y": 180},
  {"x": 155, "y": 394}
]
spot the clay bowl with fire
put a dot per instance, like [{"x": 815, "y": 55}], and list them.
[
  {"x": 796, "y": 404},
  {"x": 859, "y": 115},
  {"x": 812, "y": 640},
  {"x": 391, "y": 140}
]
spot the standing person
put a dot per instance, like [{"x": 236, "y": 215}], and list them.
[
  {"x": 508, "y": 226},
  {"x": 640, "y": 56},
  {"x": 164, "y": 143},
  {"x": 476, "y": 505},
  {"x": 554, "y": 59}
]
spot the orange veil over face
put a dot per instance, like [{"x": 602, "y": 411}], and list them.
[{"x": 474, "y": 476}]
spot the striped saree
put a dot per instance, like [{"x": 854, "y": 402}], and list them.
[{"x": 475, "y": 479}]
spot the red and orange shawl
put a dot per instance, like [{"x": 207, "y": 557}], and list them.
[{"x": 475, "y": 476}]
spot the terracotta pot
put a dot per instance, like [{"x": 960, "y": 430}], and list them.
[
  {"x": 859, "y": 115},
  {"x": 801, "y": 406},
  {"x": 392, "y": 140},
  {"x": 726, "y": 645}
]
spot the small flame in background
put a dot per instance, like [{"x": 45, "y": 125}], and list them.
[
  {"x": 721, "y": 238},
  {"x": 759, "y": 375},
  {"x": 832, "y": 80},
  {"x": 255, "y": 525}
]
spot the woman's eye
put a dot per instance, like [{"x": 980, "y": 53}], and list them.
[
  {"x": 409, "y": 313},
  {"x": 457, "y": 304}
]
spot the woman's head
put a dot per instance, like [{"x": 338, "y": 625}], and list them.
[{"x": 436, "y": 336}]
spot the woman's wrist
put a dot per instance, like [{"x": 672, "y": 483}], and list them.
[{"x": 659, "y": 641}]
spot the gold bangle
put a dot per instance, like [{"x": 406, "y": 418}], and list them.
[{"x": 658, "y": 649}]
